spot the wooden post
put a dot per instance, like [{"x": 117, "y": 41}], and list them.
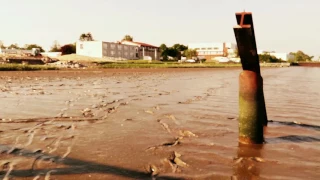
[{"x": 252, "y": 109}]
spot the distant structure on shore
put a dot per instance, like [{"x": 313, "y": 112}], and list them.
[
  {"x": 215, "y": 50},
  {"x": 145, "y": 51},
  {"x": 15, "y": 51},
  {"x": 282, "y": 56},
  {"x": 21, "y": 52},
  {"x": 124, "y": 50},
  {"x": 210, "y": 51}
]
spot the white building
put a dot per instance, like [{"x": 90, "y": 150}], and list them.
[
  {"x": 211, "y": 50},
  {"x": 51, "y": 54}
]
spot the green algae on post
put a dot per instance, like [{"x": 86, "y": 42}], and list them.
[{"x": 250, "y": 114}]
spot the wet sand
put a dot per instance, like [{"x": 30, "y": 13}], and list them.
[{"x": 155, "y": 124}]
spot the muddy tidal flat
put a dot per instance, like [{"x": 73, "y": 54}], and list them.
[{"x": 155, "y": 124}]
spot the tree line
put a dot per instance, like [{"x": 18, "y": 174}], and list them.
[
  {"x": 65, "y": 49},
  {"x": 298, "y": 56},
  {"x": 56, "y": 47},
  {"x": 25, "y": 47},
  {"x": 174, "y": 52}
]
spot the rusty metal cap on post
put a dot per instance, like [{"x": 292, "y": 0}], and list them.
[{"x": 244, "y": 20}]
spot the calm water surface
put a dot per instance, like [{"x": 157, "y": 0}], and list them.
[{"x": 154, "y": 108}]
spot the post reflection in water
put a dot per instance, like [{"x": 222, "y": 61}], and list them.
[{"x": 247, "y": 164}]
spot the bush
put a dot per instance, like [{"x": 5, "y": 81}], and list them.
[
  {"x": 20, "y": 67},
  {"x": 68, "y": 49}
]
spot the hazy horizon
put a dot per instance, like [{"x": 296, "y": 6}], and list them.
[{"x": 282, "y": 26}]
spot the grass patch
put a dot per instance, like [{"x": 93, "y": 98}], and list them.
[
  {"x": 21, "y": 67},
  {"x": 159, "y": 64},
  {"x": 129, "y": 62}
]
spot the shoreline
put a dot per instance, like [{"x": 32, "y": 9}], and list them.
[
  {"x": 132, "y": 65},
  {"x": 311, "y": 64}
]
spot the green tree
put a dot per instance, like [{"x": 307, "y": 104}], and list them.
[
  {"x": 180, "y": 47},
  {"x": 31, "y": 46},
  {"x": 55, "y": 47},
  {"x": 172, "y": 52},
  {"x": 164, "y": 51},
  {"x": 163, "y": 47},
  {"x": 189, "y": 53},
  {"x": 268, "y": 58},
  {"x": 86, "y": 37},
  {"x": 14, "y": 46},
  {"x": 2, "y": 45},
  {"x": 127, "y": 38},
  {"x": 301, "y": 56},
  {"x": 68, "y": 49},
  {"x": 175, "y": 51}
]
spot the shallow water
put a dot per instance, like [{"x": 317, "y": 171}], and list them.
[{"x": 117, "y": 124}]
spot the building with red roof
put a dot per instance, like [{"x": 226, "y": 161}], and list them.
[{"x": 145, "y": 51}]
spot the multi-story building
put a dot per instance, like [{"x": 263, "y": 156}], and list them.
[
  {"x": 209, "y": 51},
  {"x": 110, "y": 50},
  {"x": 146, "y": 51},
  {"x": 123, "y": 50}
]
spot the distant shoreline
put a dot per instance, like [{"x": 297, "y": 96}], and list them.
[
  {"x": 309, "y": 64},
  {"x": 146, "y": 65}
]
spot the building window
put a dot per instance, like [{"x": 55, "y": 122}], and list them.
[
  {"x": 215, "y": 48},
  {"x": 81, "y": 46},
  {"x": 203, "y": 48},
  {"x": 209, "y": 48}
]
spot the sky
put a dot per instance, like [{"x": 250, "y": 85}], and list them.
[{"x": 280, "y": 25}]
